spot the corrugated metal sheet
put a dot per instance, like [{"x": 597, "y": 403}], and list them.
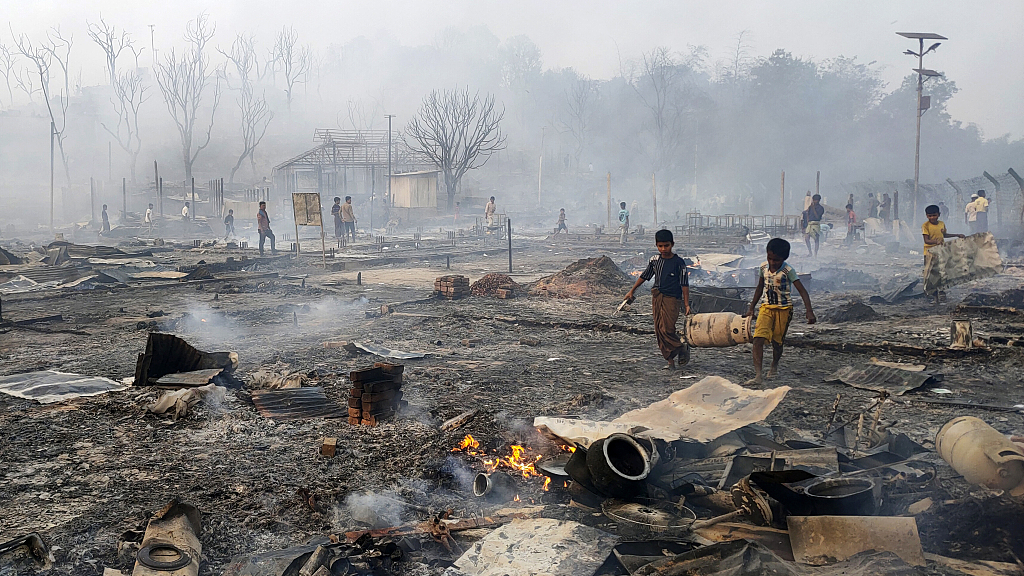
[
  {"x": 880, "y": 378},
  {"x": 189, "y": 379},
  {"x": 295, "y": 404}
]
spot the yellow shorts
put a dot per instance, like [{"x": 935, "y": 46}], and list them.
[
  {"x": 772, "y": 323},
  {"x": 813, "y": 229}
]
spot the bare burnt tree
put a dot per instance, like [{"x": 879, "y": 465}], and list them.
[
  {"x": 23, "y": 80},
  {"x": 579, "y": 98},
  {"x": 253, "y": 110},
  {"x": 129, "y": 94},
  {"x": 8, "y": 59},
  {"x": 183, "y": 79},
  {"x": 294, "y": 60},
  {"x": 458, "y": 131},
  {"x": 112, "y": 43},
  {"x": 55, "y": 49}
]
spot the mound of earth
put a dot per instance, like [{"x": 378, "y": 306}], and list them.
[
  {"x": 855, "y": 311},
  {"x": 583, "y": 278},
  {"x": 1012, "y": 298},
  {"x": 489, "y": 285}
]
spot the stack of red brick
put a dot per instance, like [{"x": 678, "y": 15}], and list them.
[
  {"x": 451, "y": 287},
  {"x": 376, "y": 394}
]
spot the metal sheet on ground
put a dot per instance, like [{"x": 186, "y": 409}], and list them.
[
  {"x": 880, "y": 378},
  {"x": 50, "y": 386},
  {"x": 538, "y": 546},
  {"x": 819, "y": 540},
  {"x": 295, "y": 404}
]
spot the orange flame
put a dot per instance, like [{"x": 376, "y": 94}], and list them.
[
  {"x": 516, "y": 499},
  {"x": 547, "y": 482},
  {"x": 516, "y": 462},
  {"x": 467, "y": 442},
  {"x": 569, "y": 449}
]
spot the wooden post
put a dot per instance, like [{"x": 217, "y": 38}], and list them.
[
  {"x": 92, "y": 199},
  {"x": 160, "y": 195},
  {"x": 508, "y": 224},
  {"x": 609, "y": 200},
  {"x": 782, "y": 196},
  {"x": 192, "y": 213},
  {"x": 817, "y": 182},
  {"x": 53, "y": 132},
  {"x": 124, "y": 199},
  {"x": 995, "y": 198},
  {"x": 156, "y": 177},
  {"x": 654, "y": 197}
]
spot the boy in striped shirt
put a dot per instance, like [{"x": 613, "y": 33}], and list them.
[
  {"x": 671, "y": 292},
  {"x": 775, "y": 277}
]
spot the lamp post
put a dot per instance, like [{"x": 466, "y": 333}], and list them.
[{"x": 922, "y": 72}]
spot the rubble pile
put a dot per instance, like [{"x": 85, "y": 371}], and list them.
[
  {"x": 376, "y": 394},
  {"x": 451, "y": 287},
  {"x": 584, "y": 278},
  {"x": 500, "y": 285},
  {"x": 855, "y": 311}
]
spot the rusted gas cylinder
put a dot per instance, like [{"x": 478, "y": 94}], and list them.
[
  {"x": 981, "y": 454},
  {"x": 717, "y": 330}
]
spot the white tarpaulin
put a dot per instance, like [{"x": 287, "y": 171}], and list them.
[
  {"x": 50, "y": 386},
  {"x": 703, "y": 412},
  {"x": 961, "y": 260},
  {"x": 538, "y": 547}
]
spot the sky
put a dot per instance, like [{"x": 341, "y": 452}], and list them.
[{"x": 983, "y": 54}]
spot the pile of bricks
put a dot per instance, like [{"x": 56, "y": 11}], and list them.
[
  {"x": 451, "y": 287},
  {"x": 376, "y": 394}
]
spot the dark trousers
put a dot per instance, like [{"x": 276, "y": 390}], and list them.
[
  {"x": 264, "y": 234},
  {"x": 981, "y": 225},
  {"x": 350, "y": 228},
  {"x": 339, "y": 227}
]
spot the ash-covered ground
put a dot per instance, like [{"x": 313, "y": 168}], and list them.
[{"x": 87, "y": 473}]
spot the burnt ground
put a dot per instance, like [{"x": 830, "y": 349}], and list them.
[{"x": 83, "y": 473}]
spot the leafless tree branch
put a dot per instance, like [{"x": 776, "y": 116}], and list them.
[{"x": 112, "y": 43}]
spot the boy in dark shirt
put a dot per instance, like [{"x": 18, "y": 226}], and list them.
[
  {"x": 229, "y": 224},
  {"x": 671, "y": 292}
]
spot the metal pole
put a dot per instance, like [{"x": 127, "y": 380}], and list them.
[
  {"x": 540, "y": 164},
  {"x": 160, "y": 195},
  {"x": 124, "y": 199},
  {"x": 609, "y": 200},
  {"x": 917, "y": 146},
  {"x": 53, "y": 132},
  {"x": 782, "y": 195},
  {"x": 817, "y": 182},
  {"x": 508, "y": 223},
  {"x": 654, "y": 196},
  {"x": 92, "y": 199},
  {"x": 373, "y": 187},
  {"x": 192, "y": 214},
  {"x": 389, "y": 116}
]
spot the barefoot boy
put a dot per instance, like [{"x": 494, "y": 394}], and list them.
[
  {"x": 773, "y": 319},
  {"x": 671, "y": 289}
]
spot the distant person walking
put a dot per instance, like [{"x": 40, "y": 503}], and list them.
[
  {"x": 148, "y": 220},
  {"x": 489, "y": 211},
  {"x": 872, "y": 206},
  {"x": 971, "y": 214},
  {"x": 105, "y": 227},
  {"x": 982, "y": 209},
  {"x": 185, "y": 219},
  {"x": 348, "y": 218},
  {"x": 885, "y": 208},
  {"x": 850, "y": 200},
  {"x": 263, "y": 226},
  {"x": 623, "y": 222},
  {"x": 229, "y": 225},
  {"x": 943, "y": 211},
  {"x": 812, "y": 224},
  {"x": 561, "y": 222},
  {"x": 336, "y": 212}
]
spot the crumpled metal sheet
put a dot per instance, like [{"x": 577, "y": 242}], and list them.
[
  {"x": 382, "y": 351},
  {"x": 50, "y": 386},
  {"x": 961, "y": 260},
  {"x": 879, "y": 378},
  {"x": 295, "y": 404},
  {"x": 538, "y": 546}
]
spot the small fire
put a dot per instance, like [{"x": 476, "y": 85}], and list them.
[
  {"x": 516, "y": 462},
  {"x": 516, "y": 499},
  {"x": 467, "y": 443},
  {"x": 569, "y": 449},
  {"x": 547, "y": 482},
  {"x": 635, "y": 273}
]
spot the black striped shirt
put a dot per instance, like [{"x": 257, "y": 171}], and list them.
[{"x": 670, "y": 275}]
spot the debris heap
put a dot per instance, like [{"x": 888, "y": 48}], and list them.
[
  {"x": 376, "y": 394},
  {"x": 500, "y": 285},
  {"x": 451, "y": 287},
  {"x": 584, "y": 278}
]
